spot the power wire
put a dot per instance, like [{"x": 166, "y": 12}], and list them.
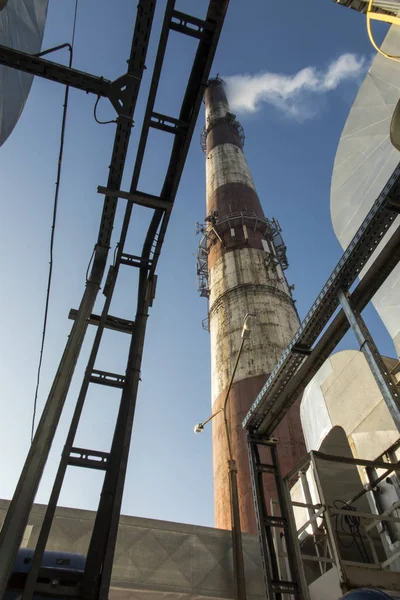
[
  {"x": 53, "y": 226},
  {"x": 350, "y": 525},
  {"x": 95, "y": 115}
]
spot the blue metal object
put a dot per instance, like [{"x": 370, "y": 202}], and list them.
[
  {"x": 367, "y": 594},
  {"x": 54, "y": 560},
  {"x": 58, "y": 569}
]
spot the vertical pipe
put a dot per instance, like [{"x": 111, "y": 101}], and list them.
[
  {"x": 237, "y": 542},
  {"x": 259, "y": 503}
]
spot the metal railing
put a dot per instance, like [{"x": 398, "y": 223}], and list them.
[{"x": 347, "y": 536}]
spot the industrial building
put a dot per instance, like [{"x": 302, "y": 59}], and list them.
[{"x": 306, "y": 445}]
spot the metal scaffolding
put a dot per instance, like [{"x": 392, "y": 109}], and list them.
[
  {"x": 300, "y": 361},
  {"x": 310, "y": 347},
  {"x": 122, "y": 93}
]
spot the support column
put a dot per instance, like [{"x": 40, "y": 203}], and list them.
[
  {"x": 276, "y": 582},
  {"x": 383, "y": 378}
]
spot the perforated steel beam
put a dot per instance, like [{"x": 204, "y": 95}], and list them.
[
  {"x": 118, "y": 91},
  {"x": 24, "y": 495},
  {"x": 29, "y": 63},
  {"x": 140, "y": 198}
]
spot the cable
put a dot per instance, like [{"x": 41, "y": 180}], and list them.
[
  {"x": 74, "y": 25},
  {"x": 350, "y": 525},
  {"x": 115, "y": 254},
  {"x": 380, "y": 17},
  {"x": 90, "y": 262},
  {"x": 95, "y": 115},
  {"x": 53, "y": 227}
]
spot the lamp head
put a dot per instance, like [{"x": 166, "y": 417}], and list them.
[
  {"x": 247, "y": 324},
  {"x": 198, "y": 428}
]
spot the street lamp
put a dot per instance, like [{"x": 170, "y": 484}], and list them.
[{"x": 237, "y": 546}]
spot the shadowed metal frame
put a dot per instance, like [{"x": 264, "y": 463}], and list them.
[{"x": 123, "y": 95}]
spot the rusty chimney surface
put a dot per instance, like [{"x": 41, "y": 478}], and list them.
[{"x": 244, "y": 276}]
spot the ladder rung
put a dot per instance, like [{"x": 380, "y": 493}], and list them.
[
  {"x": 140, "y": 198},
  {"x": 182, "y": 24},
  {"x": 134, "y": 261},
  {"x": 261, "y": 441},
  {"x": 105, "y": 378},
  {"x": 284, "y": 586},
  {"x": 266, "y": 469},
  {"x": 114, "y": 323},
  {"x": 301, "y": 349},
  {"x": 275, "y": 521},
  {"x": 168, "y": 124},
  {"x": 91, "y": 459}
]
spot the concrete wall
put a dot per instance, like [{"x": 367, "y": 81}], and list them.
[{"x": 157, "y": 559}]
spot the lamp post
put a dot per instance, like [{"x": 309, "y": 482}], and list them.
[{"x": 237, "y": 546}]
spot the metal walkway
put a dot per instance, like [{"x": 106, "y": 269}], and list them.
[{"x": 123, "y": 95}]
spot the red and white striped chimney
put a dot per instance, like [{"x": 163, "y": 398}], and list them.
[{"x": 244, "y": 276}]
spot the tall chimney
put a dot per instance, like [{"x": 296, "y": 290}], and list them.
[{"x": 243, "y": 274}]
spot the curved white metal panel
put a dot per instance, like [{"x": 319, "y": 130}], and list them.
[
  {"x": 21, "y": 27},
  {"x": 344, "y": 393},
  {"x": 364, "y": 161}
]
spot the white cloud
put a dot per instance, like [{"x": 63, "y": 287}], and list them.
[{"x": 293, "y": 94}]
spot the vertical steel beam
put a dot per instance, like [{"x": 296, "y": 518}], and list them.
[
  {"x": 311, "y": 512},
  {"x": 62, "y": 468},
  {"x": 292, "y": 542},
  {"x": 330, "y": 528},
  {"x": 100, "y": 555},
  {"x": 383, "y": 378},
  {"x": 276, "y": 586},
  {"x": 268, "y": 560},
  {"x": 24, "y": 495}
]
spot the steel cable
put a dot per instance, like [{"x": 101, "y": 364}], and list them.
[{"x": 53, "y": 227}]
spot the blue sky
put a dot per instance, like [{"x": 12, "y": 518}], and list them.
[{"x": 170, "y": 469}]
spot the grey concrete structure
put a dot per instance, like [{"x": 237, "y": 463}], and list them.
[
  {"x": 244, "y": 276},
  {"x": 156, "y": 559}
]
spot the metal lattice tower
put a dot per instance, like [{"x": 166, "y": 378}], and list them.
[{"x": 123, "y": 94}]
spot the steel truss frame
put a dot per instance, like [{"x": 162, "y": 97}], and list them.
[
  {"x": 275, "y": 584},
  {"x": 301, "y": 361},
  {"x": 123, "y": 93}
]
